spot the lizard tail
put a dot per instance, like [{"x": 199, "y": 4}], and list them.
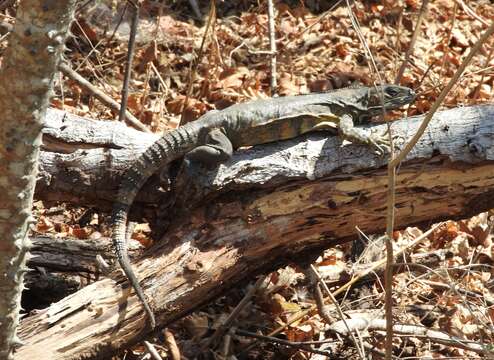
[
  {"x": 166, "y": 149},
  {"x": 119, "y": 216}
]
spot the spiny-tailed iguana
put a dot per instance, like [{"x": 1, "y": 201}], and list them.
[{"x": 212, "y": 138}]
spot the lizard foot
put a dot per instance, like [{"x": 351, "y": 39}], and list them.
[{"x": 380, "y": 143}]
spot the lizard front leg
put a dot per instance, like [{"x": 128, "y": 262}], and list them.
[{"x": 349, "y": 132}]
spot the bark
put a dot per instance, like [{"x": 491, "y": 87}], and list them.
[
  {"x": 272, "y": 204},
  {"x": 81, "y": 159},
  {"x": 62, "y": 266},
  {"x": 73, "y": 255},
  {"x": 28, "y": 68}
]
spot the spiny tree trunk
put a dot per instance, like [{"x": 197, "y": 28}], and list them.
[{"x": 26, "y": 78}]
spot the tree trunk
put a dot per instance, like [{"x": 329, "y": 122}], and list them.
[
  {"x": 267, "y": 206},
  {"x": 26, "y": 78}
]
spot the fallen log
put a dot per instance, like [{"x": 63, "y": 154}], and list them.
[{"x": 273, "y": 203}]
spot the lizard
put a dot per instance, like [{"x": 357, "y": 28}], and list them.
[{"x": 213, "y": 137}]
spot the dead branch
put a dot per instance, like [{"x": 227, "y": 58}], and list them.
[
  {"x": 100, "y": 95},
  {"x": 363, "y": 324}
]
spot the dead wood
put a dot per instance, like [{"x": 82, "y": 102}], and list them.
[
  {"x": 271, "y": 204},
  {"x": 73, "y": 255},
  {"x": 436, "y": 336},
  {"x": 61, "y": 266}
]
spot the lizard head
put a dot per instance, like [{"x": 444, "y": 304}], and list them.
[{"x": 389, "y": 97}]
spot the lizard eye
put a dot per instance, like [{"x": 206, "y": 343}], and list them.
[{"x": 392, "y": 92}]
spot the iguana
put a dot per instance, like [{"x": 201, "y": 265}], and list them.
[{"x": 212, "y": 139}]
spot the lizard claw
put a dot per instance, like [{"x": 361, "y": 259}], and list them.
[{"x": 380, "y": 142}]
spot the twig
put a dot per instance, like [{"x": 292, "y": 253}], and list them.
[
  {"x": 158, "y": 75},
  {"x": 355, "y": 279},
  {"x": 195, "y": 9},
  {"x": 195, "y": 64},
  {"x": 408, "y": 54},
  {"x": 358, "y": 346},
  {"x": 93, "y": 47},
  {"x": 487, "y": 62},
  {"x": 456, "y": 288},
  {"x": 412, "y": 330},
  {"x": 298, "y": 345},
  {"x": 389, "y": 270},
  {"x": 223, "y": 328},
  {"x": 390, "y": 204},
  {"x": 105, "y": 99},
  {"x": 408, "y": 147},
  {"x": 448, "y": 40},
  {"x": 227, "y": 342},
  {"x": 151, "y": 350},
  {"x": 472, "y": 13},
  {"x": 130, "y": 56},
  {"x": 319, "y": 19},
  {"x": 172, "y": 345},
  {"x": 272, "y": 47}
]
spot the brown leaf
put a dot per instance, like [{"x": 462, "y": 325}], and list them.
[
  {"x": 458, "y": 39},
  {"x": 287, "y": 85},
  {"x": 80, "y": 233},
  {"x": 233, "y": 77},
  {"x": 149, "y": 54},
  {"x": 44, "y": 224},
  {"x": 478, "y": 227}
]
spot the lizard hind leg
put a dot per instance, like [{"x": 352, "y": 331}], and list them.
[{"x": 216, "y": 150}]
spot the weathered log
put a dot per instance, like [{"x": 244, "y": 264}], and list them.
[
  {"x": 73, "y": 255},
  {"x": 81, "y": 158},
  {"x": 61, "y": 266},
  {"x": 273, "y": 203}
]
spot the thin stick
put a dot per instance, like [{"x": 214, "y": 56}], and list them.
[
  {"x": 194, "y": 64},
  {"x": 472, "y": 13},
  {"x": 388, "y": 273},
  {"x": 417, "y": 331},
  {"x": 128, "y": 65},
  {"x": 101, "y": 96},
  {"x": 408, "y": 54},
  {"x": 272, "y": 47},
  {"x": 339, "y": 311},
  {"x": 283, "y": 342},
  {"x": 171, "y": 344},
  {"x": 390, "y": 198},
  {"x": 406, "y": 150},
  {"x": 223, "y": 328},
  {"x": 448, "y": 40},
  {"x": 152, "y": 351},
  {"x": 487, "y": 62},
  {"x": 355, "y": 279}
]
